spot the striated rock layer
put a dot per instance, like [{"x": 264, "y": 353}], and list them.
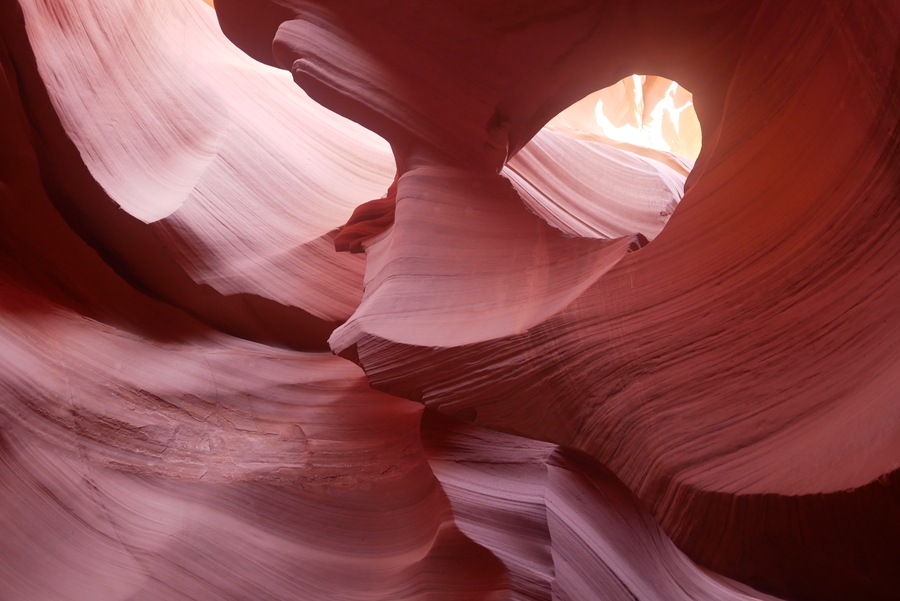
[
  {"x": 739, "y": 374},
  {"x": 589, "y": 370}
]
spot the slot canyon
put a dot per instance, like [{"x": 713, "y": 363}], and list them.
[{"x": 439, "y": 300}]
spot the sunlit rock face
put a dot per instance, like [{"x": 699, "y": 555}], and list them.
[
  {"x": 640, "y": 110},
  {"x": 644, "y": 158},
  {"x": 464, "y": 315}
]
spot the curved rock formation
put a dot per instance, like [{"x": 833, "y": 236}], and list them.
[
  {"x": 612, "y": 410},
  {"x": 207, "y": 132},
  {"x": 730, "y": 369}
]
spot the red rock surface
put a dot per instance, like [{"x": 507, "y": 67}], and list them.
[{"x": 612, "y": 410}]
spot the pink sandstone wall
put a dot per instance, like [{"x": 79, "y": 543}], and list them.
[{"x": 381, "y": 336}]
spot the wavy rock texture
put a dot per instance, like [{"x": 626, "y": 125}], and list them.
[
  {"x": 207, "y": 133},
  {"x": 556, "y": 177},
  {"x": 705, "y": 416}
]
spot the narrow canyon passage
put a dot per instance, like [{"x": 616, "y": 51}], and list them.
[{"x": 307, "y": 300}]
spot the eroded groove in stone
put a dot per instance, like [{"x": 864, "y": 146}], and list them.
[{"x": 612, "y": 408}]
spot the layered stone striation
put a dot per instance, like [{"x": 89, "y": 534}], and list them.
[{"x": 582, "y": 370}]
